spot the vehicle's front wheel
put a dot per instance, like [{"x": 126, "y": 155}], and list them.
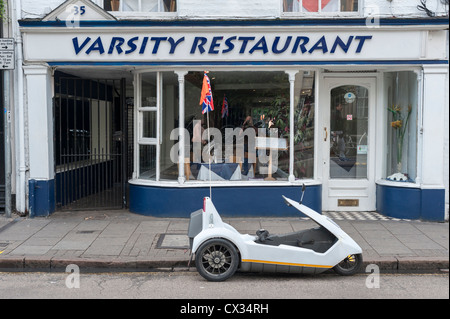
[
  {"x": 216, "y": 259},
  {"x": 349, "y": 266}
]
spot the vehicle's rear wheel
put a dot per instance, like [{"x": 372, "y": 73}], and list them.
[{"x": 349, "y": 266}]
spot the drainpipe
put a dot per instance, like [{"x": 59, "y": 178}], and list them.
[
  {"x": 21, "y": 147},
  {"x": 7, "y": 126}
]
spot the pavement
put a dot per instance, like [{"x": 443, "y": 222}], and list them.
[{"x": 118, "y": 240}]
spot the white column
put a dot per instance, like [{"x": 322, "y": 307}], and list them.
[
  {"x": 181, "y": 174},
  {"x": 435, "y": 101},
  {"x": 38, "y": 96},
  {"x": 291, "y": 124}
]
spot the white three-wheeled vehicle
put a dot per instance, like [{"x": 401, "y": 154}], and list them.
[{"x": 220, "y": 249}]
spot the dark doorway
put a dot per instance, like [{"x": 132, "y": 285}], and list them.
[{"x": 91, "y": 141}]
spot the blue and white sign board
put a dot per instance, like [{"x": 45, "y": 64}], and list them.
[{"x": 218, "y": 44}]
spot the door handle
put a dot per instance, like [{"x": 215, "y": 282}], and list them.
[{"x": 326, "y": 134}]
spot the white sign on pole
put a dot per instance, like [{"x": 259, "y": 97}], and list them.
[{"x": 6, "y": 54}]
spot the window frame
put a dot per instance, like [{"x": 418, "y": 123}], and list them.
[
  {"x": 287, "y": 14},
  {"x": 139, "y": 13},
  {"x": 139, "y": 121}
]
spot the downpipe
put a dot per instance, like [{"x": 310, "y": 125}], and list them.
[{"x": 21, "y": 147}]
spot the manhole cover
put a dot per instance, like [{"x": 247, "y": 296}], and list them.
[{"x": 173, "y": 241}]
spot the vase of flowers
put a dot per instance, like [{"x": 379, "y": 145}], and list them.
[{"x": 400, "y": 124}]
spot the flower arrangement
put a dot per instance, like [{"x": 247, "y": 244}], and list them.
[{"x": 399, "y": 124}]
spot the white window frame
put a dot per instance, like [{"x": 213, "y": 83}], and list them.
[
  {"x": 139, "y": 119},
  {"x": 140, "y": 14},
  {"x": 320, "y": 13}
]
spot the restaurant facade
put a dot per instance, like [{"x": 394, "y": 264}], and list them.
[{"x": 351, "y": 102}]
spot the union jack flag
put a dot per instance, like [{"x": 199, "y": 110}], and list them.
[
  {"x": 206, "y": 99},
  {"x": 225, "y": 106}
]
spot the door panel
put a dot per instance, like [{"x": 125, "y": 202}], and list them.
[{"x": 348, "y": 152}]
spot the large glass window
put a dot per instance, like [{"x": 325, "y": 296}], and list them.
[
  {"x": 250, "y": 126},
  {"x": 306, "y": 6},
  {"x": 401, "y": 108},
  {"x": 245, "y": 138}
]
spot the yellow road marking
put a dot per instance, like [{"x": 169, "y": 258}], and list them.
[{"x": 283, "y": 263}]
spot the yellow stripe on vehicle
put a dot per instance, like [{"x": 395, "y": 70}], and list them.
[{"x": 283, "y": 263}]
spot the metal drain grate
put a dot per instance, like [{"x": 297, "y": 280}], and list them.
[
  {"x": 173, "y": 241},
  {"x": 85, "y": 231}
]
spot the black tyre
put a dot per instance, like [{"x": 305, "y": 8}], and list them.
[
  {"x": 216, "y": 260},
  {"x": 349, "y": 266}
]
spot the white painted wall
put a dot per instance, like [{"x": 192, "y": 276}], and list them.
[
  {"x": 229, "y": 8},
  {"x": 239, "y": 9}
]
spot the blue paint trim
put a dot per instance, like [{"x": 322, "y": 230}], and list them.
[
  {"x": 252, "y": 63},
  {"x": 433, "y": 204},
  {"x": 253, "y": 201},
  {"x": 240, "y": 23},
  {"x": 411, "y": 203},
  {"x": 41, "y": 197}
]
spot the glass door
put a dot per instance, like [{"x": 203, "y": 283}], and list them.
[
  {"x": 348, "y": 132},
  {"x": 348, "y": 170}
]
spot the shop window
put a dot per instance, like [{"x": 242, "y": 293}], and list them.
[
  {"x": 141, "y": 5},
  {"x": 401, "y": 125},
  {"x": 249, "y": 129},
  {"x": 147, "y": 126},
  {"x": 304, "y": 124},
  {"x": 157, "y": 117},
  {"x": 169, "y": 123},
  {"x": 256, "y": 114},
  {"x": 258, "y": 106},
  {"x": 309, "y": 6}
]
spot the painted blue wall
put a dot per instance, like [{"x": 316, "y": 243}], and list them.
[
  {"x": 411, "y": 203},
  {"x": 230, "y": 201},
  {"x": 41, "y": 197}
]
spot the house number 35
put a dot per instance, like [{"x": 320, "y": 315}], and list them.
[{"x": 79, "y": 10}]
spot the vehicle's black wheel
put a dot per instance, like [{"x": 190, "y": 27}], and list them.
[
  {"x": 216, "y": 260},
  {"x": 349, "y": 266}
]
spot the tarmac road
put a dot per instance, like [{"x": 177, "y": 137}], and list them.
[{"x": 189, "y": 285}]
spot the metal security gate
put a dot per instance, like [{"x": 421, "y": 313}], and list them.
[{"x": 91, "y": 122}]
